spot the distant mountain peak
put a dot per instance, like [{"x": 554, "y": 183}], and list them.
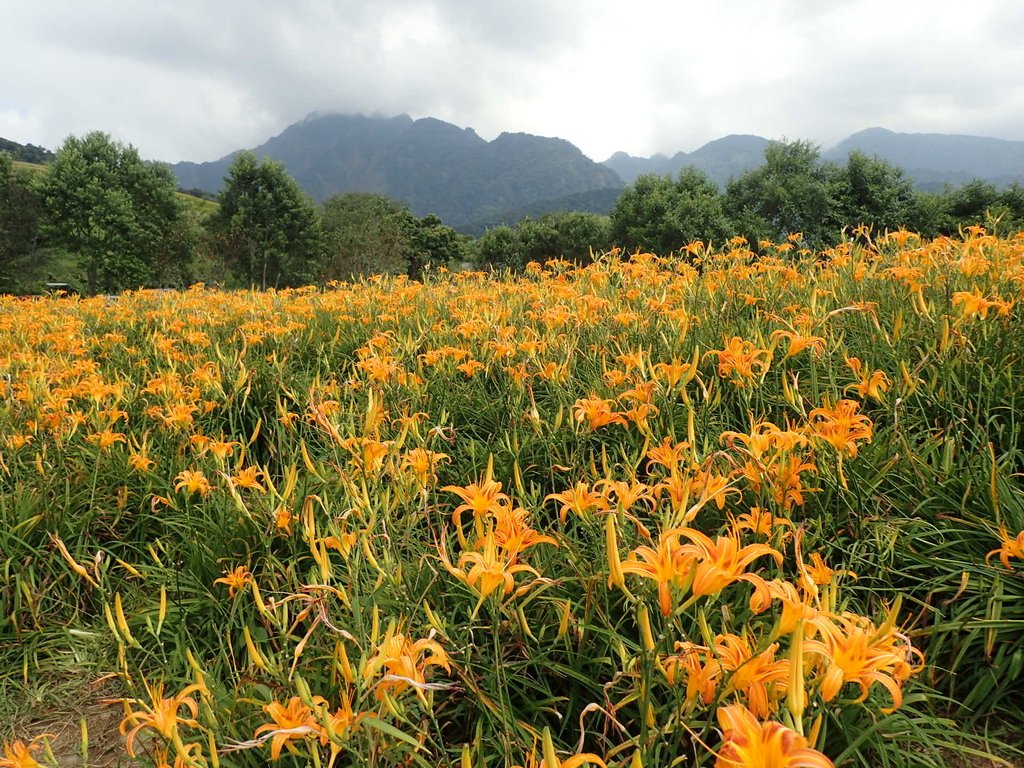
[
  {"x": 431, "y": 165},
  {"x": 932, "y": 160},
  {"x": 721, "y": 159}
]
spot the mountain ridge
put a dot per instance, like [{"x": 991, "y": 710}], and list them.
[
  {"x": 437, "y": 167},
  {"x": 429, "y": 164}
]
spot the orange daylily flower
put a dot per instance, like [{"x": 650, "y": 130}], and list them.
[
  {"x": 423, "y": 465},
  {"x": 798, "y": 342},
  {"x": 760, "y": 521},
  {"x": 192, "y": 482},
  {"x": 668, "y": 454},
  {"x": 106, "y": 438},
  {"x": 873, "y": 384},
  {"x": 749, "y": 743},
  {"x": 293, "y": 721},
  {"x": 18, "y": 754},
  {"x": 597, "y": 412},
  {"x": 667, "y": 564},
  {"x": 841, "y": 426},
  {"x": 161, "y": 714},
  {"x": 249, "y": 478},
  {"x": 760, "y": 678},
  {"x": 852, "y": 649},
  {"x": 741, "y": 361},
  {"x": 1012, "y": 547},
  {"x": 795, "y": 608},
  {"x": 722, "y": 562},
  {"x": 579, "y": 500},
  {"x": 235, "y": 579},
  {"x": 549, "y": 759},
  {"x": 404, "y": 662},
  {"x": 482, "y": 499}
]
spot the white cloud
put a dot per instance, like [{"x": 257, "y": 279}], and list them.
[{"x": 185, "y": 79}]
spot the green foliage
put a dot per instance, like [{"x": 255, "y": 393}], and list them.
[
  {"x": 571, "y": 236},
  {"x": 599, "y": 201},
  {"x": 868, "y": 190},
  {"x": 661, "y": 215},
  {"x": 266, "y": 230},
  {"x": 792, "y": 192},
  {"x": 119, "y": 216},
  {"x": 431, "y": 242},
  {"x": 366, "y": 234},
  {"x": 370, "y": 234},
  {"x": 20, "y": 211}
]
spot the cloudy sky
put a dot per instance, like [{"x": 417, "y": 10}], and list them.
[{"x": 196, "y": 79}]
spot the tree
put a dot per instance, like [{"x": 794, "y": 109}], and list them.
[
  {"x": 20, "y": 211},
  {"x": 365, "y": 234},
  {"x": 120, "y": 217},
  {"x": 500, "y": 247},
  {"x": 570, "y": 235},
  {"x": 432, "y": 242},
  {"x": 792, "y": 192},
  {"x": 266, "y": 230},
  {"x": 372, "y": 234},
  {"x": 658, "y": 214},
  {"x": 971, "y": 202},
  {"x": 868, "y": 190}
]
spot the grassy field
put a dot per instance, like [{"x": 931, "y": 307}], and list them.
[{"x": 707, "y": 509}]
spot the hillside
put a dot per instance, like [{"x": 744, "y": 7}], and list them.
[
  {"x": 600, "y": 201},
  {"x": 26, "y": 153},
  {"x": 431, "y": 165},
  {"x": 721, "y": 159},
  {"x": 932, "y": 160}
]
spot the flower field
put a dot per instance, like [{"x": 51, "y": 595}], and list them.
[{"x": 707, "y": 509}]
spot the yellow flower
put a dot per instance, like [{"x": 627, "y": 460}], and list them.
[
  {"x": 852, "y": 649},
  {"x": 749, "y": 743},
  {"x": 841, "y": 426},
  {"x": 161, "y": 714},
  {"x": 292, "y": 722},
  {"x": 192, "y": 482},
  {"x": 1012, "y": 547},
  {"x": 405, "y": 662},
  {"x": 249, "y": 478},
  {"x": 18, "y": 754},
  {"x": 235, "y": 579},
  {"x": 723, "y": 561}
]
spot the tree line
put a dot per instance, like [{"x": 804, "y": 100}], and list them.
[{"x": 100, "y": 216}]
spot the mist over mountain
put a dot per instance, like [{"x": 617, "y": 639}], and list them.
[{"x": 428, "y": 164}]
